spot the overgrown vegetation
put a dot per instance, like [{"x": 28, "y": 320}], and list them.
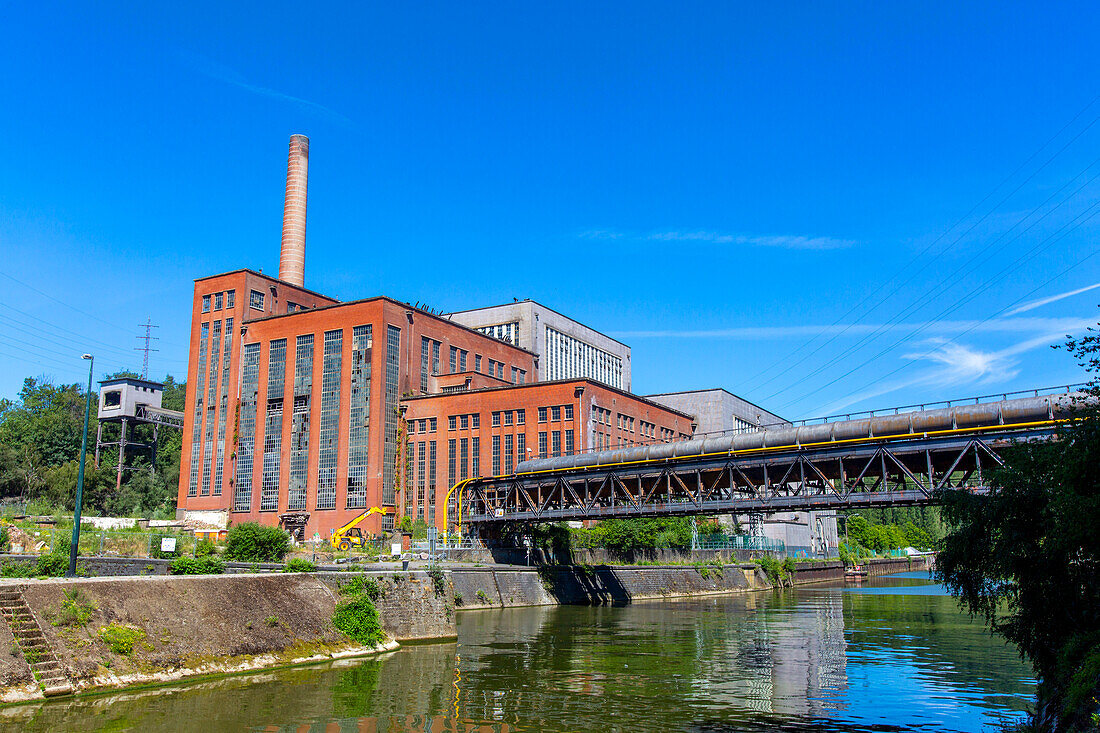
[
  {"x": 40, "y": 434},
  {"x": 121, "y": 639},
  {"x": 633, "y": 535},
  {"x": 208, "y": 565},
  {"x": 1026, "y": 557},
  {"x": 779, "y": 573},
  {"x": 252, "y": 542},
  {"x": 76, "y": 609},
  {"x": 299, "y": 565},
  {"x": 355, "y": 614},
  {"x": 439, "y": 585}
]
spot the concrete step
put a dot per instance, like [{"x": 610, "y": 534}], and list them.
[
  {"x": 48, "y": 665},
  {"x": 55, "y": 690}
]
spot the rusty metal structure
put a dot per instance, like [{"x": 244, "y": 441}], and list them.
[{"x": 900, "y": 459}]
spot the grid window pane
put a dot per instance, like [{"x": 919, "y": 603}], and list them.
[
  {"x": 359, "y": 416},
  {"x": 250, "y": 372},
  {"x": 329, "y": 435}
]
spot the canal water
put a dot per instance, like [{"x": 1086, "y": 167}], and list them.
[{"x": 893, "y": 655}]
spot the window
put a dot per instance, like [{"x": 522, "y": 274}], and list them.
[
  {"x": 462, "y": 354},
  {"x": 330, "y": 417},
  {"x": 431, "y": 424},
  {"x": 522, "y": 376},
  {"x": 508, "y": 454},
  {"x": 542, "y": 444},
  {"x": 496, "y": 419},
  {"x": 422, "y": 426},
  {"x": 273, "y": 425},
  {"x": 500, "y": 370},
  {"x": 476, "y": 420},
  {"x": 206, "y": 304},
  {"x": 555, "y": 414},
  {"x": 425, "y": 345},
  {"x": 542, "y": 414},
  {"x": 451, "y": 462},
  {"x": 507, "y": 417},
  {"x": 230, "y": 298},
  {"x": 475, "y": 456},
  {"x": 555, "y": 442},
  {"x": 521, "y": 448},
  {"x": 568, "y": 412},
  {"x": 292, "y": 307},
  {"x": 515, "y": 375},
  {"x": 454, "y": 358},
  {"x": 464, "y": 458},
  {"x": 451, "y": 422},
  {"x": 299, "y": 425},
  {"x": 362, "y": 340},
  {"x": 568, "y": 442},
  {"x": 477, "y": 363},
  {"x": 256, "y": 300},
  {"x": 435, "y": 357},
  {"x": 496, "y": 455},
  {"x": 389, "y": 448},
  {"x": 508, "y": 332},
  {"x": 521, "y": 417},
  {"x": 250, "y": 372},
  {"x": 464, "y": 421},
  {"x": 218, "y": 301}
]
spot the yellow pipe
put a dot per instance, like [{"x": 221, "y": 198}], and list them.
[{"x": 747, "y": 451}]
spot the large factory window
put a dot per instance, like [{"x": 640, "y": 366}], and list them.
[
  {"x": 273, "y": 425},
  {"x": 112, "y": 398},
  {"x": 242, "y": 490},
  {"x": 359, "y": 416},
  {"x": 329, "y": 436},
  {"x": 200, "y": 392},
  {"x": 206, "y": 304},
  {"x": 230, "y": 298},
  {"x": 223, "y": 405},
  {"x": 299, "y": 426},
  {"x": 256, "y": 300},
  {"x": 389, "y": 449}
]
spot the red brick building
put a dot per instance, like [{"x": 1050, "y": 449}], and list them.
[
  {"x": 490, "y": 430},
  {"x": 293, "y": 402}
]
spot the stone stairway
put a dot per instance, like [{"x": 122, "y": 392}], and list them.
[{"x": 47, "y": 670}]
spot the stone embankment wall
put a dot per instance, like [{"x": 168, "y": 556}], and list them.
[
  {"x": 190, "y": 625},
  {"x": 608, "y": 584}
]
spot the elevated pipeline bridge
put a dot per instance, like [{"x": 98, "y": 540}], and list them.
[{"x": 895, "y": 459}]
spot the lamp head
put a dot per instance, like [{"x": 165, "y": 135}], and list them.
[{"x": 86, "y": 356}]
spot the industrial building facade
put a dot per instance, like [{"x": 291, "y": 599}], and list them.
[{"x": 567, "y": 349}]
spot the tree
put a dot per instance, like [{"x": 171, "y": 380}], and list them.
[{"x": 1026, "y": 557}]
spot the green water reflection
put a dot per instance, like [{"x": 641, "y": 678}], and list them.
[{"x": 896, "y": 655}]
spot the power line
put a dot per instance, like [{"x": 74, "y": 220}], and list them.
[
  {"x": 1052, "y": 239},
  {"x": 950, "y": 281},
  {"x": 932, "y": 244}
]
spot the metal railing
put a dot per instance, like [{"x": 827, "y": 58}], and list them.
[{"x": 739, "y": 542}]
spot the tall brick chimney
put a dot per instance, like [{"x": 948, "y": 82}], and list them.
[{"x": 292, "y": 255}]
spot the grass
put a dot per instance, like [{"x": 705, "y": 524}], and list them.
[{"x": 121, "y": 639}]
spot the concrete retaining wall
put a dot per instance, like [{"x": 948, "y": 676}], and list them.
[{"x": 203, "y": 624}]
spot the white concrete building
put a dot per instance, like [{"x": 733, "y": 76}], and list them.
[{"x": 566, "y": 349}]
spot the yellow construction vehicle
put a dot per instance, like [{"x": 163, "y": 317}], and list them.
[{"x": 350, "y": 535}]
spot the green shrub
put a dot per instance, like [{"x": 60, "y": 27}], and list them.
[
  {"x": 197, "y": 566},
  {"x": 299, "y": 565},
  {"x": 360, "y": 586},
  {"x": 252, "y": 542},
  {"x": 76, "y": 609},
  {"x": 17, "y": 569},
  {"x": 355, "y": 615},
  {"x": 205, "y": 548},
  {"x": 121, "y": 639},
  {"x": 53, "y": 565},
  {"x": 777, "y": 572},
  {"x": 439, "y": 585}
]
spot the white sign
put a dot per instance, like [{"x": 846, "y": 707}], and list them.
[
  {"x": 395, "y": 548},
  {"x": 498, "y": 512},
  {"x": 167, "y": 544}
]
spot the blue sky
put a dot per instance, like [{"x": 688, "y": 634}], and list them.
[{"x": 822, "y": 207}]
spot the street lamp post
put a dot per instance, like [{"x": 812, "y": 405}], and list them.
[{"x": 80, "y": 474}]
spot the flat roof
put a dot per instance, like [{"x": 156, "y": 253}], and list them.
[
  {"x": 540, "y": 305},
  {"x": 132, "y": 380},
  {"x": 719, "y": 389},
  {"x": 394, "y": 301},
  {"x": 553, "y": 382},
  {"x": 267, "y": 277}
]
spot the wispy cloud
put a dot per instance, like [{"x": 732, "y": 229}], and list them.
[
  {"x": 219, "y": 72},
  {"x": 748, "y": 333},
  {"x": 782, "y": 241},
  {"x": 1051, "y": 299},
  {"x": 955, "y": 365}
]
